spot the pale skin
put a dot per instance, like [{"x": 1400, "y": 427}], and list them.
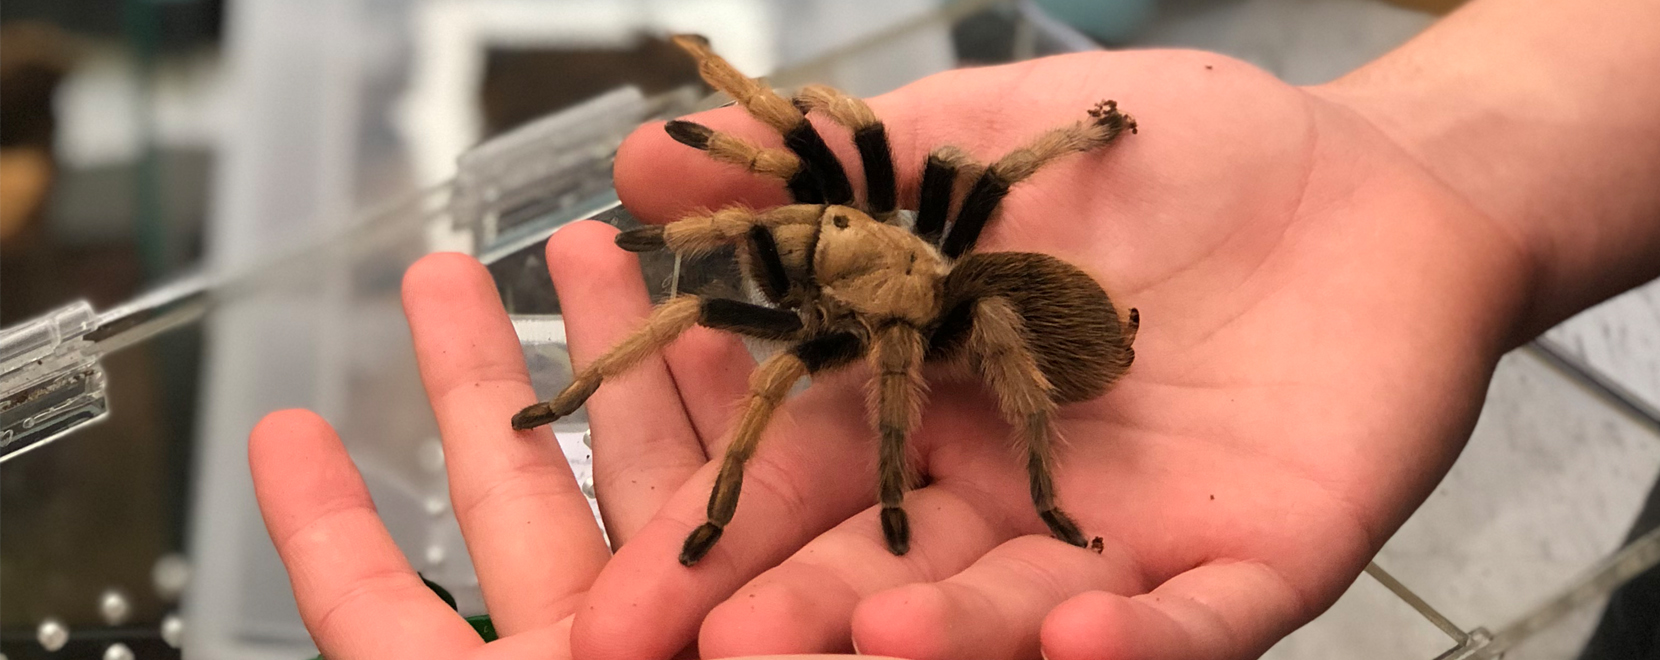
[{"x": 1327, "y": 277}]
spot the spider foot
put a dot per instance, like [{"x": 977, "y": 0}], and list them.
[
  {"x": 548, "y": 412},
  {"x": 1106, "y": 114},
  {"x": 699, "y": 542},
  {"x": 896, "y": 529},
  {"x": 691, "y": 134},
  {"x": 533, "y": 416},
  {"x": 642, "y": 239},
  {"x": 1063, "y": 528}
]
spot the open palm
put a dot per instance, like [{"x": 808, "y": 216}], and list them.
[{"x": 1313, "y": 342}]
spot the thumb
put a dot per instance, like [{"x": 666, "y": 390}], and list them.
[{"x": 1222, "y": 610}]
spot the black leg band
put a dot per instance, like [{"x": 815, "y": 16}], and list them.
[
  {"x": 881, "y": 194},
  {"x": 831, "y": 350},
  {"x": 938, "y": 179},
  {"x": 775, "y": 282},
  {"x": 747, "y": 319},
  {"x": 817, "y": 158},
  {"x": 978, "y": 205}
]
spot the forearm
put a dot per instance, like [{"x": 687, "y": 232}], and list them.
[{"x": 1544, "y": 114}]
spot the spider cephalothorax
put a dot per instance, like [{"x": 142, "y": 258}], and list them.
[{"x": 841, "y": 280}]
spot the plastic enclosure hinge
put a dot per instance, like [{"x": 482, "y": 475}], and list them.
[
  {"x": 548, "y": 164},
  {"x": 514, "y": 189},
  {"x": 50, "y": 379}
]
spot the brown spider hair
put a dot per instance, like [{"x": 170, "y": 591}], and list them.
[{"x": 840, "y": 280}]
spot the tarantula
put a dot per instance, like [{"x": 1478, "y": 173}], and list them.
[{"x": 843, "y": 280}]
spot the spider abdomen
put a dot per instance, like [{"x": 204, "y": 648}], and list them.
[{"x": 1074, "y": 331}]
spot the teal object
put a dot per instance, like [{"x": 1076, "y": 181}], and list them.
[{"x": 1110, "y": 21}]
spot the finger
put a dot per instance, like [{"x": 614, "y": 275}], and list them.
[
  {"x": 806, "y": 604},
  {"x": 529, "y": 529},
  {"x": 711, "y": 371},
  {"x": 976, "y": 501},
  {"x": 811, "y": 471},
  {"x": 357, "y": 594},
  {"x": 1221, "y": 610},
  {"x": 994, "y": 608},
  {"x": 645, "y": 446},
  {"x": 546, "y": 643}
]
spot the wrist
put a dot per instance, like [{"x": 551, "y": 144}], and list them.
[
  {"x": 1478, "y": 274},
  {"x": 1559, "y": 146}
]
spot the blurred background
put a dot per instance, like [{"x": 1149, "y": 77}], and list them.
[{"x": 271, "y": 166}]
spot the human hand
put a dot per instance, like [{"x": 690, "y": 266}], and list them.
[
  {"x": 529, "y": 529},
  {"x": 1320, "y": 319}
]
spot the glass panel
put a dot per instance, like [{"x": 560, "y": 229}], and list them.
[{"x": 1545, "y": 490}]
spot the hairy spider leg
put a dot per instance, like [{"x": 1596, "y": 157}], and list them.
[
  {"x": 768, "y": 386},
  {"x": 748, "y": 319},
  {"x": 898, "y": 395},
  {"x": 765, "y": 161},
  {"x": 939, "y": 184},
  {"x": 998, "y": 344},
  {"x": 704, "y": 233},
  {"x": 773, "y": 279},
  {"x": 667, "y": 322},
  {"x": 766, "y": 105},
  {"x": 870, "y": 136},
  {"x": 1105, "y": 124},
  {"x": 760, "y": 256}
]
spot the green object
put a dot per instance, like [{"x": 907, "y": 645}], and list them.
[
  {"x": 485, "y": 627},
  {"x": 481, "y": 624},
  {"x": 442, "y": 592}
]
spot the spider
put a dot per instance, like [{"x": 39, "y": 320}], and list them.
[{"x": 843, "y": 281}]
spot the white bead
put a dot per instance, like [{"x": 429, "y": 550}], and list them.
[
  {"x": 113, "y": 606},
  {"x": 52, "y": 634},
  {"x": 169, "y": 576},
  {"x": 172, "y": 630},
  {"x": 118, "y": 651}
]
